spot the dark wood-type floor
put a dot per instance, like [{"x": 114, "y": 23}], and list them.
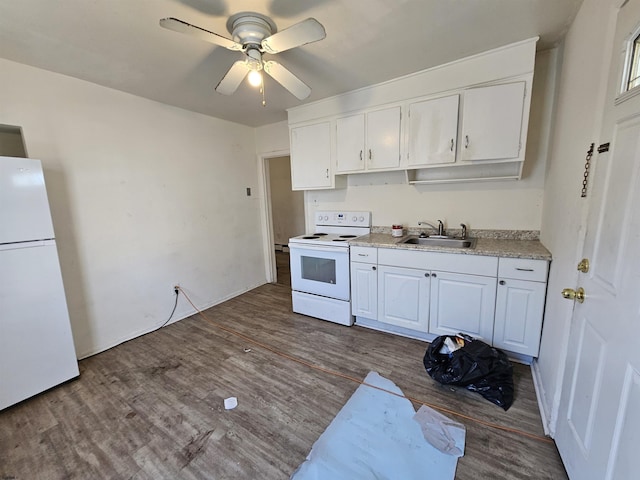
[{"x": 152, "y": 408}]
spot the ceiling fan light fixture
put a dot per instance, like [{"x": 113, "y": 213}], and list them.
[
  {"x": 254, "y": 34},
  {"x": 255, "y": 78}
]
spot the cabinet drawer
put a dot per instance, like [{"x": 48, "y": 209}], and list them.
[
  {"x": 444, "y": 262},
  {"x": 523, "y": 269},
  {"x": 364, "y": 254}
]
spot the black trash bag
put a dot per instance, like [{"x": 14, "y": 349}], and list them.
[{"x": 476, "y": 366}]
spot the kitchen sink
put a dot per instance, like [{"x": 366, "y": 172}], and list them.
[{"x": 453, "y": 242}]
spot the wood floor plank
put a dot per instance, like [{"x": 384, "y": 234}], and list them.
[{"x": 152, "y": 408}]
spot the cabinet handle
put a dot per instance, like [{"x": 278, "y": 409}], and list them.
[
  {"x": 327, "y": 173},
  {"x": 466, "y": 141},
  {"x": 360, "y": 155},
  {"x": 363, "y": 254},
  {"x": 373, "y": 268},
  {"x": 502, "y": 282},
  {"x": 369, "y": 154},
  {"x": 426, "y": 274},
  {"x": 524, "y": 269},
  {"x": 433, "y": 275},
  {"x": 452, "y": 144}
]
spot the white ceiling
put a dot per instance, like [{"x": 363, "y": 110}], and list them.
[{"x": 119, "y": 44}]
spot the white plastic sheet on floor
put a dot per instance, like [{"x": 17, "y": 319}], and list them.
[{"x": 375, "y": 436}]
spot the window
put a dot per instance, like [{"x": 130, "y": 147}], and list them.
[{"x": 633, "y": 77}]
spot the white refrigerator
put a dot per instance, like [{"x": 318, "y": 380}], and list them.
[{"x": 36, "y": 344}]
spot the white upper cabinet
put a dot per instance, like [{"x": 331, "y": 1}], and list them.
[
  {"x": 492, "y": 122},
  {"x": 311, "y": 157},
  {"x": 350, "y": 140},
  {"x": 368, "y": 141},
  {"x": 433, "y": 131},
  {"x": 460, "y": 122}
]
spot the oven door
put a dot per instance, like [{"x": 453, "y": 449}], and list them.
[{"x": 320, "y": 270}]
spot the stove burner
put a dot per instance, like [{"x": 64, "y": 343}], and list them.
[
  {"x": 348, "y": 236},
  {"x": 340, "y": 239},
  {"x": 310, "y": 237},
  {"x": 320, "y": 234}
]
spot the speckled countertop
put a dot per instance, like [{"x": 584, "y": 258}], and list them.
[{"x": 500, "y": 245}]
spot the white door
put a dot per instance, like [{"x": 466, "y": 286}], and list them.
[
  {"x": 403, "y": 297},
  {"x": 320, "y": 270},
  {"x": 433, "y": 129},
  {"x": 383, "y": 138},
  {"x": 364, "y": 290},
  {"x": 518, "y": 322},
  {"x": 598, "y": 429},
  {"x": 462, "y": 303},
  {"x": 36, "y": 345},
  {"x": 311, "y": 156},
  {"x": 24, "y": 212},
  {"x": 350, "y": 143},
  {"x": 492, "y": 121}
]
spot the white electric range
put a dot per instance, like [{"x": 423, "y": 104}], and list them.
[{"x": 320, "y": 265}]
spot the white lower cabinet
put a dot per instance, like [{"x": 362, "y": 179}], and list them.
[
  {"x": 522, "y": 289},
  {"x": 364, "y": 290},
  {"x": 462, "y": 303},
  {"x": 500, "y": 301},
  {"x": 403, "y": 297}
]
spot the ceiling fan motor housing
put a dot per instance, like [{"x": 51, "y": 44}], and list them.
[{"x": 250, "y": 28}]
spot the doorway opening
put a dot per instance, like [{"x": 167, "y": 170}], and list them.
[{"x": 285, "y": 212}]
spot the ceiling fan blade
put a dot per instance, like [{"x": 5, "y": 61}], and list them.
[
  {"x": 307, "y": 31},
  {"x": 287, "y": 79},
  {"x": 231, "y": 81},
  {"x": 184, "y": 27}
]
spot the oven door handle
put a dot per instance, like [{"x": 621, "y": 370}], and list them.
[{"x": 317, "y": 248}]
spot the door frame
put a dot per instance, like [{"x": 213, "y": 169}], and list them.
[{"x": 266, "y": 217}]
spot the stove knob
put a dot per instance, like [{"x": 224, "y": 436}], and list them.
[
  {"x": 355, "y": 219},
  {"x": 362, "y": 219},
  {"x": 326, "y": 217}
]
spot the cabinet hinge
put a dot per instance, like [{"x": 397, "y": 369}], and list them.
[{"x": 603, "y": 148}]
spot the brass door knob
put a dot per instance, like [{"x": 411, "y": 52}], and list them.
[
  {"x": 583, "y": 266},
  {"x": 571, "y": 294}
]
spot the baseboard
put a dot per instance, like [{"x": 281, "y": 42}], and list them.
[
  {"x": 539, "y": 389},
  {"x": 144, "y": 331}
]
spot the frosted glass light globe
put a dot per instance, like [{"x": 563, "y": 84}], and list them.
[{"x": 255, "y": 78}]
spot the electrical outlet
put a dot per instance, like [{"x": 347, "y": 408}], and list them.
[{"x": 175, "y": 287}]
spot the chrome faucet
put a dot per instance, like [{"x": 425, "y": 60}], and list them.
[
  {"x": 464, "y": 231},
  {"x": 439, "y": 228}
]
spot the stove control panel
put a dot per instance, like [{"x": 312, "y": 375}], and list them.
[{"x": 345, "y": 219}]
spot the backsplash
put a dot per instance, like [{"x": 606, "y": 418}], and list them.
[{"x": 495, "y": 234}]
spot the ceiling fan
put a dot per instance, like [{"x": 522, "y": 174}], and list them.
[{"x": 254, "y": 34}]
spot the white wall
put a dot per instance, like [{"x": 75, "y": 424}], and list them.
[
  {"x": 581, "y": 91},
  {"x": 481, "y": 205},
  {"x": 143, "y": 195}
]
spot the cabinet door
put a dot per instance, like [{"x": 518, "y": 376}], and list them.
[
  {"x": 383, "y": 138},
  {"x": 462, "y": 303},
  {"x": 364, "y": 290},
  {"x": 350, "y": 144},
  {"x": 403, "y": 297},
  {"x": 518, "y": 322},
  {"x": 433, "y": 130},
  {"x": 491, "y": 122},
  {"x": 311, "y": 157}
]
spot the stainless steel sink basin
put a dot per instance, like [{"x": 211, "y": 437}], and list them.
[{"x": 452, "y": 242}]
